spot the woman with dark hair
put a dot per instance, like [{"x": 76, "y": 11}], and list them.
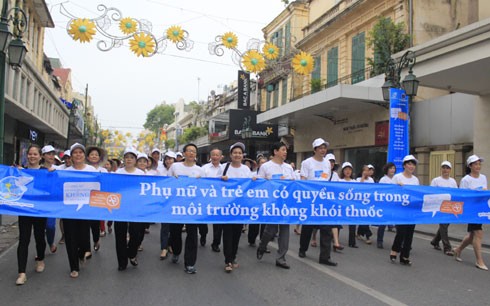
[
  {"x": 48, "y": 162},
  {"x": 476, "y": 181},
  {"x": 232, "y": 232},
  {"x": 404, "y": 233},
  {"x": 168, "y": 161},
  {"x": 77, "y": 232},
  {"x": 363, "y": 231},
  {"x": 346, "y": 175},
  {"x": 389, "y": 171},
  {"x": 26, "y": 224},
  {"x": 276, "y": 169}
]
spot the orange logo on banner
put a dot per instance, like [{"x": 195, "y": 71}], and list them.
[
  {"x": 402, "y": 116},
  {"x": 450, "y": 207},
  {"x": 107, "y": 200}
]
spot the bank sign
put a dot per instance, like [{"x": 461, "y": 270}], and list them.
[{"x": 245, "y": 120}]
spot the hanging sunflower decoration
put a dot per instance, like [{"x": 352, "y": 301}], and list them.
[
  {"x": 142, "y": 44},
  {"x": 175, "y": 34},
  {"x": 271, "y": 51},
  {"x": 128, "y": 25},
  {"x": 82, "y": 29},
  {"x": 253, "y": 61},
  {"x": 229, "y": 40},
  {"x": 303, "y": 63}
]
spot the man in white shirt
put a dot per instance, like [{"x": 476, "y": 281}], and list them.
[
  {"x": 445, "y": 180},
  {"x": 213, "y": 169},
  {"x": 317, "y": 168}
]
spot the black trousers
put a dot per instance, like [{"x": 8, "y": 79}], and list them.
[
  {"x": 77, "y": 240},
  {"x": 231, "y": 239},
  {"x": 364, "y": 230},
  {"x": 326, "y": 237},
  {"x": 255, "y": 230},
  {"x": 128, "y": 249},
  {"x": 190, "y": 254},
  {"x": 26, "y": 224},
  {"x": 203, "y": 230},
  {"x": 217, "y": 233},
  {"x": 95, "y": 227},
  {"x": 352, "y": 235},
  {"x": 403, "y": 240}
]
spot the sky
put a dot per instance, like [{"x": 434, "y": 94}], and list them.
[{"x": 124, "y": 87}]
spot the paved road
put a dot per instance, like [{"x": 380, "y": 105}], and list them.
[{"x": 364, "y": 276}]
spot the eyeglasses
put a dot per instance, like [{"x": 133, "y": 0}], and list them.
[{"x": 191, "y": 151}]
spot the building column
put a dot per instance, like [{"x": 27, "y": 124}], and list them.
[
  {"x": 481, "y": 126},
  {"x": 423, "y": 166}
]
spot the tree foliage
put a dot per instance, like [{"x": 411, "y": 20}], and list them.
[
  {"x": 193, "y": 133},
  {"x": 159, "y": 116},
  {"x": 386, "y": 38}
]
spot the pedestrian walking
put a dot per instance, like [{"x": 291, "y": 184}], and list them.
[
  {"x": 346, "y": 175},
  {"x": 404, "y": 233},
  {"x": 317, "y": 168},
  {"x": 363, "y": 231},
  {"x": 444, "y": 180},
  {"x": 187, "y": 168},
  {"x": 276, "y": 169},
  {"x": 389, "y": 171},
  {"x": 255, "y": 230},
  {"x": 476, "y": 181},
  {"x": 168, "y": 161}
]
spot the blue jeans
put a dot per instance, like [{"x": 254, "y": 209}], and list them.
[{"x": 50, "y": 230}]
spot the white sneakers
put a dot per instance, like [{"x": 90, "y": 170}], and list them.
[{"x": 21, "y": 280}]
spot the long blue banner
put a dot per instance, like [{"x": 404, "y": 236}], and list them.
[
  {"x": 398, "y": 141},
  {"x": 101, "y": 196}
]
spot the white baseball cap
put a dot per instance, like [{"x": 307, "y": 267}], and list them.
[
  {"x": 346, "y": 164},
  {"x": 370, "y": 166},
  {"x": 132, "y": 151},
  {"x": 77, "y": 145},
  {"x": 472, "y": 159},
  {"x": 179, "y": 154},
  {"x": 155, "y": 150},
  {"x": 318, "y": 142},
  {"x": 410, "y": 158},
  {"x": 237, "y": 145},
  {"x": 47, "y": 149},
  {"x": 330, "y": 156},
  {"x": 141, "y": 155},
  {"x": 171, "y": 154},
  {"x": 67, "y": 153},
  {"x": 447, "y": 164}
]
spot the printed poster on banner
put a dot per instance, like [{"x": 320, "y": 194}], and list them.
[{"x": 398, "y": 141}]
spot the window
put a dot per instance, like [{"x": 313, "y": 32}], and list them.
[
  {"x": 358, "y": 58},
  {"x": 317, "y": 69},
  {"x": 268, "y": 101},
  {"x": 276, "y": 95},
  {"x": 436, "y": 158},
  {"x": 287, "y": 40},
  {"x": 284, "y": 94},
  {"x": 332, "y": 66}
]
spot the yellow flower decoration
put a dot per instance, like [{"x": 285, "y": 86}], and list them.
[
  {"x": 229, "y": 40},
  {"x": 142, "y": 44},
  {"x": 270, "y": 51},
  {"x": 175, "y": 34},
  {"x": 253, "y": 61},
  {"x": 82, "y": 29},
  {"x": 128, "y": 25},
  {"x": 303, "y": 63}
]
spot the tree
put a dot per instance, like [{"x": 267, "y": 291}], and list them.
[
  {"x": 197, "y": 113},
  {"x": 193, "y": 133},
  {"x": 158, "y": 116},
  {"x": 386, "y": 38}
]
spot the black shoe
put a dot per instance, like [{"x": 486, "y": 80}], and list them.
[
  {"x": 353, "y": 246},
  {"x": 253, "y": 245},
  {"x": 260, "y": 253},
  {"x": 203, "y": 241},
  {"x": 215, "y": 248},
  {"x": 405, "y": 261},
  {"x": 133, "y": 261},
  {"x": 435, "y": 245},
  {"x": 380, "y": 245},
  {"x": 283, "y": 265},
  {"x": 301, "y": 254},
  {"x": 121, "y": 268},
  {"x": 328, "y": 262},
  {"x": 267, "y": 251}
]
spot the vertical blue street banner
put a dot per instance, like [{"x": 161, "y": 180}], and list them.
[{"x": 398, "y": 142}]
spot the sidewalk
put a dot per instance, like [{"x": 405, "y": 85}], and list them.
[{"x": 9, "y": 233}]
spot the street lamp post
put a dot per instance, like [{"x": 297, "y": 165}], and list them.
[
  {"x": 16, "y": 51},
  {"x": 393, "y": 72}
]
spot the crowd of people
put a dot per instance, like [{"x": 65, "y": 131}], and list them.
[{"x": 75, "y": 233}]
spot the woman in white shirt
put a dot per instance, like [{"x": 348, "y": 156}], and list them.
[
  {"x": 346, "y": 175},
  {"x": 389, "y": 171},
  {"x": 232, "y": 232},
  {"x": 476, "y": 181},
  {"x": 128, "y": 249},
  {"x": 168, "y": 160},
  {"x": 404, "y": 233},
  {"x": 77, "y": 232},
  {"x": 276, "y": 169},
  {"x": 363, "y": 231}
]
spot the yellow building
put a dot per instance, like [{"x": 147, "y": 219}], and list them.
[{"x": 347, "y": 108}]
